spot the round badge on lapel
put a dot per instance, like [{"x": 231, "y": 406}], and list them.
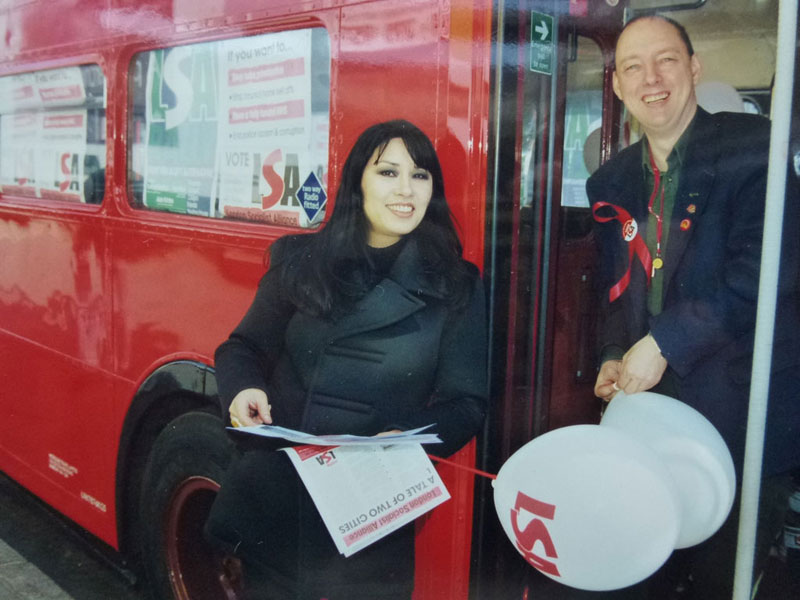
[
  {"x": 686, "y": 224},
  {"x": 629, "y": 230}
]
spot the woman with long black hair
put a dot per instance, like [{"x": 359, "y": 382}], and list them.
[{"x": 373, "y": 324}]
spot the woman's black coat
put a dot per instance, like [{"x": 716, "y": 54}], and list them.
[{"x": 402, "y": 359}]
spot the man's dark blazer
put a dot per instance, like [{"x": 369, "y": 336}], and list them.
[{"x": 711, "y": 277}]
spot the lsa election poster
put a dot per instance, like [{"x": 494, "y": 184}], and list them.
[
  {"x": 43, "y": 123},
  {"x": 181, "y": 133},
  {"x": 268, "y": 169},
  {"x": 230, "y": 131}
]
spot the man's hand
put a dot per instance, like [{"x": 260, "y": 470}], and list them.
[
  {"x": 606, "y": 385},
  {"x": 642, "y": 366},
  {"x": 250, "y": 407}
]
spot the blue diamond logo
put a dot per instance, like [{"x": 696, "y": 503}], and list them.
[{"x": 312, "y": 196}]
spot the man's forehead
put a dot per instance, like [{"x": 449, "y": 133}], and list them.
[{"x": 649, "y": 36}]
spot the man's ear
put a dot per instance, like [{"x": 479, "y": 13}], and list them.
[
  {"x": 697, "y": 68},
  {"x": 615, "y": 84}
]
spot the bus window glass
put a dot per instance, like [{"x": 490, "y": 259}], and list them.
[
  {"x": 233, "y": 129},
  {"x": 52, "y": 134},
  {"x": 582, "y": 120}
]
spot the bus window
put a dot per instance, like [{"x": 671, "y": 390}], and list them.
[
  {"x": 233, "y": 129},
  {"x": 52, "y": 134},
  {"x": 584, "y": 112}
]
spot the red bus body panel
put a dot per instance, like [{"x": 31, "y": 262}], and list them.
[{"x": 94, "y": 298}]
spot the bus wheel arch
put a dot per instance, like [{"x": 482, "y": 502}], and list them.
[
  {"x": 179, "y": 484},
  {"x": 173, "y": 391}
]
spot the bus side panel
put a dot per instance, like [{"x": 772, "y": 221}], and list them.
[
  {"x": 176, "y": 293},
  {"x": 55, "y": 22},
  {"x": 178, "y": 285},
  {"x": 55, "y": 364},
  {"x": 394, "y": 64}
]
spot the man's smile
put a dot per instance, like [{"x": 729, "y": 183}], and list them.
[{"x": 649, "y": 99}]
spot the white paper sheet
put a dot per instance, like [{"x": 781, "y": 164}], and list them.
[{"x": 365, "y": 492}]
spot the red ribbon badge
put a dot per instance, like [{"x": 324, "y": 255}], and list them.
[{"x": 636, "y": 245}]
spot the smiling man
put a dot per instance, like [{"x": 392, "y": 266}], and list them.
[{"x": 679, "y": 223}]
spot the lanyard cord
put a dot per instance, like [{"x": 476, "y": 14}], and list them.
[{"x": 659, "y": 217}]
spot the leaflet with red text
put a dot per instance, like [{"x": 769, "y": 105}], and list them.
[{"x": 363, "y": 493}]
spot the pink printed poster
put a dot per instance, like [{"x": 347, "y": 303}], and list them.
[{"x": 269, "y": 138}]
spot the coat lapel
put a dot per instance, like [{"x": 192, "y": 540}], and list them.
[
  {"x": 694, "y": 190},
  {"x": 395, "y": 298},
  {"x": 627, "y": 190}
]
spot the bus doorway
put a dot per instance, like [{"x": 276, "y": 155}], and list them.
[
  {"x": 554, "y": 122},
  {"x": 556, "y": 119}
]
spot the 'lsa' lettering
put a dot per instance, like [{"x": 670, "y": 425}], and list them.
[{"x": 535, "y": 531}]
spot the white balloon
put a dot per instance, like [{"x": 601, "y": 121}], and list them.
[
  {"x": 589, "y": 506},
  {"x": 692, "y": 450},
  {"x": 718, "y": 96}
]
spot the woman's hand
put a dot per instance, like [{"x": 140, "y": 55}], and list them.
[
  {"x": 250, "y": 407},
  {"x": 390, "y": 432}
]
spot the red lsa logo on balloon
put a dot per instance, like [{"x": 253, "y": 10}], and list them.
[{"x": 528, "y": 510}]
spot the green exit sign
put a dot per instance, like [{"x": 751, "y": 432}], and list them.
[{"x": 542, "y": 43}]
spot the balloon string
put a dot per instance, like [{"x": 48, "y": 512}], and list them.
[{"x": 462, "y": 467}]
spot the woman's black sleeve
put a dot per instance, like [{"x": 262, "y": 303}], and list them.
[{"x": 246, "y": 359}]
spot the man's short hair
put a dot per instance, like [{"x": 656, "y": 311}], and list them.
[{"x": 682, "y": 33}]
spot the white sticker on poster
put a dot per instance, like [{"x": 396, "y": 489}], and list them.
[{"x": 266, "y": 135}]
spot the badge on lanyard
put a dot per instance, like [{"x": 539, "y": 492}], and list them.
[
  {"x": 629, "y": 229},
  {"x": 631, "y": 235}
]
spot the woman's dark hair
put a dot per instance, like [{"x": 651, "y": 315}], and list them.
[{"x": 336, "y": 264}]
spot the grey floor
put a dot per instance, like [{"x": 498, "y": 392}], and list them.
[
  {"x": 21, "y": 580},
  {"x": 43, "y": 558}
]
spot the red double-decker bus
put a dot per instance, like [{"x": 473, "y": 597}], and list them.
[{"x": 152, "y": 150}]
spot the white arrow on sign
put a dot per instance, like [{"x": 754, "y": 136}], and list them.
[{"x": 542, "y": 30}]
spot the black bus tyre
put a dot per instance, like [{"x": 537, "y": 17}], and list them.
[{"x": 180, "y": 482}]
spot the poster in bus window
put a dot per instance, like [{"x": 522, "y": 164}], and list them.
[
  {"x": 44, "y": 133},
  {"x": 19, "y": 129},
  {"x": 583, "y": 116},
  {"x": 181, "y": 137},
  {"x": 60, "y": 155},
  {"x": 271, "y": 168},
  {"x": 19, "y": 133}
]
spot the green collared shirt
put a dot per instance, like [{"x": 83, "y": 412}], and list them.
[{"x": 668, "y": 191}]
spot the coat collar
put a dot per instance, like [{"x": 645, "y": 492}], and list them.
[
  {"x": 396, "y": 297},
  {"x": 409, "y": 271}
]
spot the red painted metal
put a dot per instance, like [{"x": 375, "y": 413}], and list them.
[{"x": 94, "y": 297}]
